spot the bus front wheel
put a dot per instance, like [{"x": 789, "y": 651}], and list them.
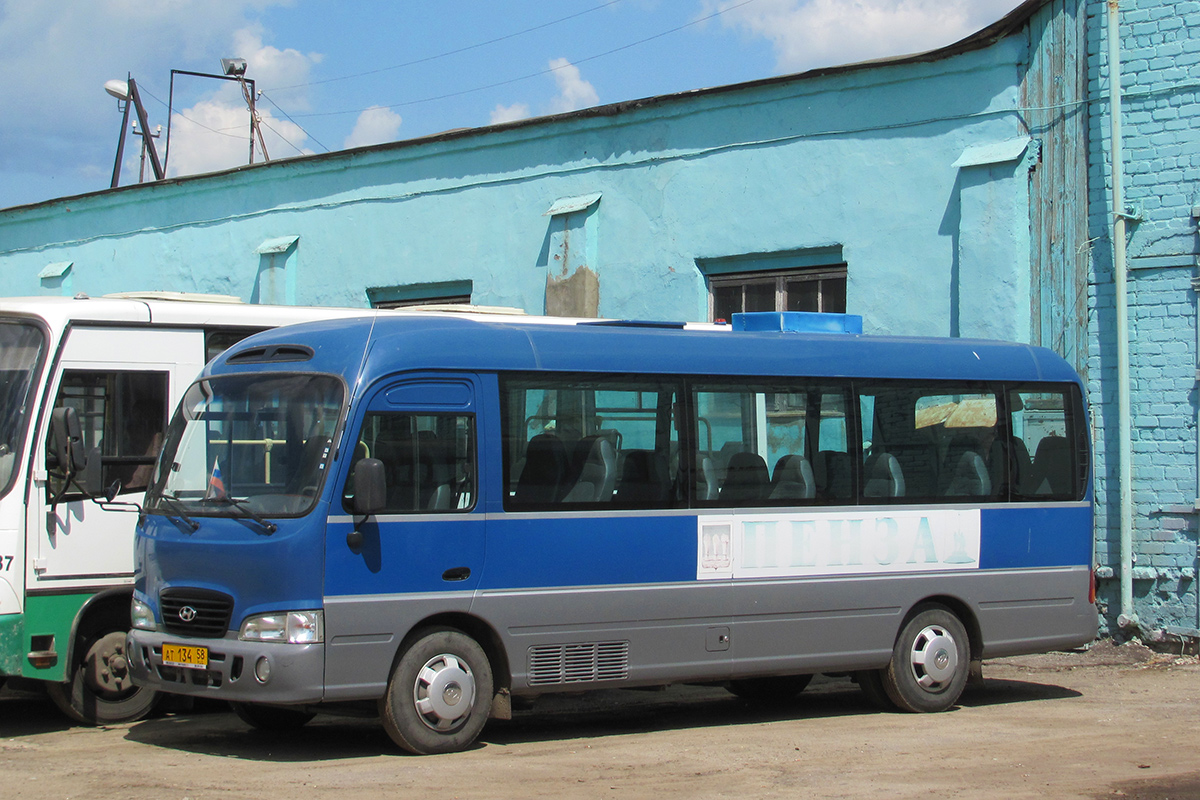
[
  {"x": 100, "y": 689},
  {"x": 930, "y": 662},
  {"x": 439, "y": 694}
]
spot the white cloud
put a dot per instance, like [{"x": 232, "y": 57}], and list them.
[
  {"x": 509, "y": 113},
  {"x": 215, "y": 134},
  {"x": 574, "y": 92},
  {"x": 376, "y": 125},
  {"x": 817, "y": 33}
]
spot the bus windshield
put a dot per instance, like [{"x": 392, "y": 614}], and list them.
[
  {"x": 248, "y": 446},
  {"x": 21, "y": 346}
]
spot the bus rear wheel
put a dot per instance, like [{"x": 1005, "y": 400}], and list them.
[
  {"x": 930, "y": 662},
  {"x": 439, "y": 695},
  {"x": 100, "y": 689}
]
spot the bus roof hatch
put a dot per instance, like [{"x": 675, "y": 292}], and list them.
[{"x": 797, "y": 322}]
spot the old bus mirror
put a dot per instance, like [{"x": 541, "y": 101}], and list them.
[
  {"x": 66, "y": 437},
  {"x": 370, "y": 487},
  {"x": 93, "y": 474}
]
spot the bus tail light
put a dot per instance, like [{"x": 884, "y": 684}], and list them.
[{"x": 1092, "y": 585}]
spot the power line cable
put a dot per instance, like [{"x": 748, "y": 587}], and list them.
[
  {"x": 163, "y": 103},
  {"x": 291, "y": 120},
  {"x": 455, "y": 52},
  {"x": 547, "y": 71}
]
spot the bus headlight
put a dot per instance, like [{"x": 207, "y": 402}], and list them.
[
  {"x": 141, "y": 616},
  {"x": 293, "y": 627}
]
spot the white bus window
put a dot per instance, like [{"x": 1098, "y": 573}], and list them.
[{"x": 123, "y": 415}]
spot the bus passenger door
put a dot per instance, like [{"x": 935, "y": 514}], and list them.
[
  {"x": 419, "y": 555},
  {"x": 122, "y": 385}
]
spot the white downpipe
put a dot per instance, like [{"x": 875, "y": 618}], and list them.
[{"x": 1126, "y": 619}]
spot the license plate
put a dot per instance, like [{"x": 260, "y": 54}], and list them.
[{"x": 182, "y": 655}]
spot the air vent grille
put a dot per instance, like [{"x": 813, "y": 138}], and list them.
[{"x": 578, "y": 663}]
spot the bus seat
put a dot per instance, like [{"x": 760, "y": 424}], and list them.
[
  {"x": 833, "y": 474},
  {"x": 793, "y": 479},
  {"x": 1052, "y": 467},
  {"x": 709, "y": 486},
  {"x": 970, "y": 477},
  {"x": 643, "y": 479},
  {"x": 596, "y": 471},
  {"x": 436, "y": 489},
  {"x": 883, "y": 477},
  {"x": 725, "y": 455},
  {"x": 1021, "y": 466},
  {"x": 305, "y": 477},
  {"x": 545, "y": 468},
  {"x": 746, "y": 479}
]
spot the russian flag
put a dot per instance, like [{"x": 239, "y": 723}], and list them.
[{"x": 216, "y": 486}]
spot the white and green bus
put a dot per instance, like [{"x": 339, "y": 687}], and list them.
[{"x": 69, "y": 502}]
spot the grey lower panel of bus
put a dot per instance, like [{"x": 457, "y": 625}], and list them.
[
  {"x": 296, "y": 675},
  {"x": 591, "y": 637}
]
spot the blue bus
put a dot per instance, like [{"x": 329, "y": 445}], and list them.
[{"x": 438, "y": 515}]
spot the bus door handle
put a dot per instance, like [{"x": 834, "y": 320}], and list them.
[{"x": 457, "y": 574}]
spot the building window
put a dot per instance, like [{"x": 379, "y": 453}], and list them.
[
  {"x": 802, "y": 280},
  {"x": 421, "y": 294}
]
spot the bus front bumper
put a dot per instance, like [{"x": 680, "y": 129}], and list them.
[{"x": 230, "y": 669}]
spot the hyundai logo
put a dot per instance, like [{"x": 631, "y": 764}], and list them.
[{"x": 187, "y": 613}]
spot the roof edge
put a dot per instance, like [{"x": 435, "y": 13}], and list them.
[{"x": 985, "y": 37}]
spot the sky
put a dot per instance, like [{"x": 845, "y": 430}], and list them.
[{"x": 330, "y": 76}]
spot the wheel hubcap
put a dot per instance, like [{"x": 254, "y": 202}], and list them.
[
  {"x": 934, "y": 657},
  {"x": 106, "y": 669},
  {"x": 444, "y": 692}
]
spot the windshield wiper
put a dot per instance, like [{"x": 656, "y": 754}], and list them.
[
  {"x": 176, "y": 507},
  {"x": 240, "y": 505}
]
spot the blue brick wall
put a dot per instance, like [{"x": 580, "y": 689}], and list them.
[{"x": 1160, "y": 55}]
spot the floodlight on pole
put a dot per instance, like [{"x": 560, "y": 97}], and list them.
[
  {"x": 233, "y": 69},
  {"x": 127, "y": 92}
]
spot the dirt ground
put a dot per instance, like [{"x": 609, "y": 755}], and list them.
[{"x": 1111, "y": 722}]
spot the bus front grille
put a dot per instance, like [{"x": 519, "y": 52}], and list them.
[
  {"x": 195, "y": 612},
  {"x": 578, "y": 663}
]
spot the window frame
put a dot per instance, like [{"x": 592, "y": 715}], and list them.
[{"x": 780, "y": 278}]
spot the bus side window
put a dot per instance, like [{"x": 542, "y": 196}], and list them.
[
  {"x": 596, "y": 440},
  {"x": 124, "y": 415},
  {"x": 761, "y": 445},
  {"x": 1045, "y": 460},
  {"x": 933, "y": 443},
  {"x": 428, "y": 461}
]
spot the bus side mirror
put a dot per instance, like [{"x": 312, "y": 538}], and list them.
[
  {"x": 93, "y": 474},
  {"x": 370, "y": 487},
  {"x": 67, "y": 440}
]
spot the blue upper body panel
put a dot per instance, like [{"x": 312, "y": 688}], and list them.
[
  {"x": 369, "y": 350},
  {"x": 384, "y": 345}
]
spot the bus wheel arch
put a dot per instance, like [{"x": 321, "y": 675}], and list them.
[
  {"x": 483, "y": 633},
  {"x": 440, "y": 692},
  {"x": 99, "y": 689},
  {"x": 931, "y": 658}
]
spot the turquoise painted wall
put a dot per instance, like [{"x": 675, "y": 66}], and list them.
[{"x": 864, "y": 159}]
